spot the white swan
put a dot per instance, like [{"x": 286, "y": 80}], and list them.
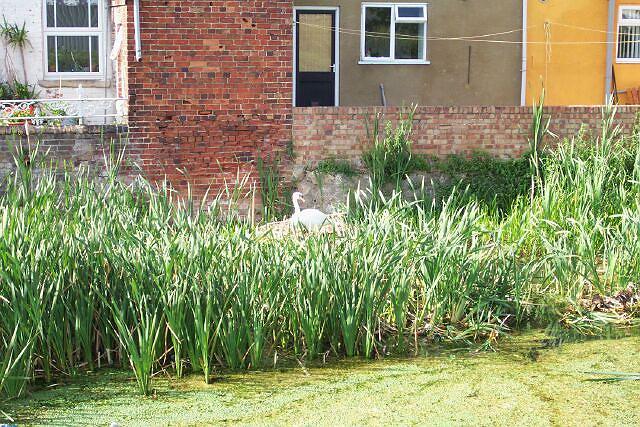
[{"x": 311, "y": 219}]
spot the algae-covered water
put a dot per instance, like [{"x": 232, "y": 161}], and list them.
[{"x": 525, "y": 382}]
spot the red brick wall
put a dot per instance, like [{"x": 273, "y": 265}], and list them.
[
  {"x": 213, "y": 89},
  {"x": 341, "y": 132}
]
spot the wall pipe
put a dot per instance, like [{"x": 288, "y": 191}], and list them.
[
  {"x": 525, "y": 25},
  {"x": 136, "y": 25},
  {"x": 610, "y": 44}
]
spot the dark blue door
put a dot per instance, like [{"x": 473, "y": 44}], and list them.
[{"x": 315, "y": 58}]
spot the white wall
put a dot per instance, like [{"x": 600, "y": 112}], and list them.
[{"x": 30, "y": 12}]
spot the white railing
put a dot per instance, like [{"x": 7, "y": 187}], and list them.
[{"x": 61, "y": 111}]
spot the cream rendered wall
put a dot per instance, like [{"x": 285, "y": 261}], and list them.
[{"x": 493, "y": 76}]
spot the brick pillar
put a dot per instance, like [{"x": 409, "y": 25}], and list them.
[{"x": 213, "y": 89}]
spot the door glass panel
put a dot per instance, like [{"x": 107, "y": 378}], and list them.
[{"x": 315, "y": 43}]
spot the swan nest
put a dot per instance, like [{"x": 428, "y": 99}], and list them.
[{"x": 335, "y": 224}]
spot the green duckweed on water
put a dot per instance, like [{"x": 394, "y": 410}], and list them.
[{"x": 524, "y": 382}]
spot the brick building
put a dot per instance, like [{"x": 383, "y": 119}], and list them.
[{"x": 213, "y": 84}]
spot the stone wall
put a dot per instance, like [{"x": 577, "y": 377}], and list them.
[
  {"x": 318, "y": 133},
  {"x": 74, "y": 146},
  {"x": 341, "y": 132}
]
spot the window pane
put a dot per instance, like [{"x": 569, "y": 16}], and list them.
[
  {"x": 73, "y": 54},
  {"x": 411, "y": 12},
  {"x": 51, "y": 22},
  {"x": 622, "y": 40},
  {"x": 409, "y": 41},
  {"x": 95, "y": 55},
  {"x": 377, "y": 42},
  {"x": 630, "y": 13},
  {"x": 72, "y": 13},
  {"x": 629, "y": 42},
  {"x": 94, "y": 13},
  {"x": 51, "y": 54}
]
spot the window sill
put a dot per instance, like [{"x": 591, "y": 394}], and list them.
[
  {"x": 86, "y": 83},
  {"x": 628, "y": 61},
  {"x": 406, "y": 62}
]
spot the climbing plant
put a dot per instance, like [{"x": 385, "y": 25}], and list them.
[{"x": 15, "y": 37}]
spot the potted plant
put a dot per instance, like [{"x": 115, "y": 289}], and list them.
[{"x": 12, "y": 115}]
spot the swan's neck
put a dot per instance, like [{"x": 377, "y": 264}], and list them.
[{"x": 296, "y": 206}]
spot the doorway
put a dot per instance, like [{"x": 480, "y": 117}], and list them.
[{"x": 316, "y": 57}]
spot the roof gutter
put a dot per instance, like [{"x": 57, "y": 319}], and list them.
[
  {"x": 525, "y": 24},
  {"x": 610, "y": 45},
  {"x": 136, "y": 26}
]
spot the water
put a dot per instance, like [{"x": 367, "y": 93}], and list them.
[{"x": 531, "y": 379}]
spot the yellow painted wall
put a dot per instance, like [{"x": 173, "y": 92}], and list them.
[{"x": 572, "y": 74}]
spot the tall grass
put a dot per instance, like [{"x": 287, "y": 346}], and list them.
[
  {"x": 99, "y": 273},
  {"x": 539, "y": 130},
  {"x": 274, "y": 192},
  {"x": 389, "y": 158}
]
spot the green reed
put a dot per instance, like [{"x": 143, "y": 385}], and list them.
[{"x": 97, "y": 273}]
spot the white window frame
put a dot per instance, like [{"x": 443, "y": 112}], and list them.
[
  {"x": 626, "y": 22},
  {"x": 98, "y": 31},
  {"x": 395, "y": 19}
]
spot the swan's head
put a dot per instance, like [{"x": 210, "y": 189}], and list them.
[{"x": 297, "y": 197}]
